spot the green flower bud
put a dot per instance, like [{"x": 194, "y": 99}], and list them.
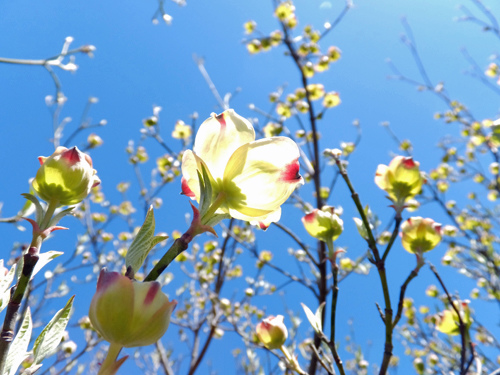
[
  {"x": 401, "y": 179},
  {"x": 323, "y": 224},
  {"x": 272, "y": 332},
  {"x": 420, "y": 235},
  {"x": 65, "y": 177},
  {"x": 129, "y": 313}
]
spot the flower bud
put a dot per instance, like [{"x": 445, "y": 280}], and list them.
[
  {"x": 129, "y": 313},
  {"x": 272, "y": 332},
  {"x": 401, "y": 179},
  {"x": 448, "y": 322},
  {"x": 420, "y": 235},
  {"x": 323, "y": 224},
  {"x": 66, "y": 176}
]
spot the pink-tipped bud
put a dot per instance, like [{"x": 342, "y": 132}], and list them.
[
  {"x": 66, "y": 176},
  {"x": 129, "y": 313},
  {"x": 419, "y": 235},
  {"x": 401, "y": 179},
  {"x": 272, "y": 332},
  {"x": 323, "y": 224}
]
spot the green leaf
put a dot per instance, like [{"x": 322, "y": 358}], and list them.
[
  {"x": 4, "y": 300},
  {"x": 47, "y": 342},
  {"x": 206, "y": 190},
  {"x": 60, "y": 215},
  {"x": 143, "y": 242},
  {"x": 318, "y": 315},
  {"x": 43, "y": 259},
  {"x": 38, "y": 206},
  {"x": 216, "y": 219},
  {"x": 7, "y": 279},
  {"x": 5, "y": 286},
  {"x": 314, "y": 319},
  {"x": 19, "y": 347}
]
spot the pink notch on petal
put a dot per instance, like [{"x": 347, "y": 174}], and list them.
[
  {"x": 263, "y": 226},
  {"x": 72, "y": 156},
  {"x": 409, "y": 163},
  {"x": 106, "y": 279},
  {"x": 152, "y": 292},
  {"x": 221, "y": 119},
  {"x": 185, "y": 189},
  {"x": 309, "y": 218},
  {"x": 291, "y": 172}
]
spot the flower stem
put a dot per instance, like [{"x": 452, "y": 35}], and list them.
[
  {"x": 108, "y": 367},
  {"x": 292, "y": 362},
  {"x": 177, "y": 247},
  {"x": 29, "y": 261}
]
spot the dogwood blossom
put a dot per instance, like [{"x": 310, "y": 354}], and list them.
[{"x": 250, "y": 179}]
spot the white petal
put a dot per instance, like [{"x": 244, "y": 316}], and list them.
[
  {"x": 261, "y": 175},
  {"x": 264, "y": 221},
  {"x": 219, "y": 136}
]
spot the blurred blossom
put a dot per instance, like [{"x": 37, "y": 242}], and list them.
[
  {"x": 401, "y": 179},
  {"x": 448, "y": 321},
  {"x": 272, "y": 332},
  {"x": 324, "y": 224},
  {"x": 419, "y": 235}
]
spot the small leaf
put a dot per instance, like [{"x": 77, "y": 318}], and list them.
[
  {"x": 18, "y": 350},
  {"x": 59, "y": 216},
  {"x": 319, "y": 314},
  {"x": 36, "y": 202},
  {"x": 143, "y": 242},
  {"x": 4, "y": 300},
  {"x": 49, "y": 339},
  {"x": 216, "y": 219},
  {"x": 27, "y": 209},
  {"x": 203, "y": 197},
  {"x": 7, "y": 279},
  {"x": 315, "y": 323},
  {"x": 44, "y": 259},
  {"x": 206, "y": 190},
  {"x": 361, "y": 227}
]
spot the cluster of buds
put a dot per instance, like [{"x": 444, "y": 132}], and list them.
[
  {"x": 66, "y": 177},
  {"x": 285, "y": 12},
  {"x": 401, "y": 180}
]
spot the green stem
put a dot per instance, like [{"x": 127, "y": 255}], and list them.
[
  {"x": 380, "y": 263},
  {"x": 410, "y": 277},
  {"x": 393, "y": 236},
  {"x": 7, "y": 335},
  {"x": 29, "y": 261},
  {"x": 335, "y": 271},
  {"x": 108, "y": 366},
  {"x": 292, "y": 361},
  {"x": 177, "y": 247}
]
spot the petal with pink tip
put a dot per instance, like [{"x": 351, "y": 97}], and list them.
[
  {"x": 261, "y": 175},
  {"x": 219, "y": 136}
]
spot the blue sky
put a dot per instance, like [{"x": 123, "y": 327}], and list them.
[{"x": 138, "y": 65}]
